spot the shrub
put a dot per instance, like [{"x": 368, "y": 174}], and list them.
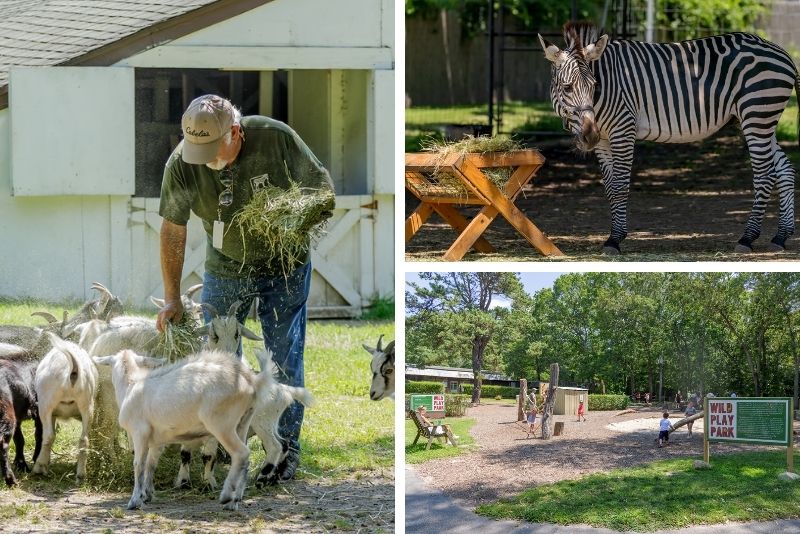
[
  {"x": 488, "y": 392},
  {"x": 425, "y": 388},
  {"x": 608, "y": 402},
  {"x": 456, "y": 405}
]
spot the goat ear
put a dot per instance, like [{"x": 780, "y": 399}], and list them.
[
  {"x": 203, "y": 330},
  {"x": 147, "y": 361},
  {"x": 159, "y": 303},
  {"x": 104, "y": 360},
  {"x": 368, "y": 349},
  {"x": 250, "y": 335},
  {"x": 551, "y": 51},
  {"x": 595, "y": 50}
]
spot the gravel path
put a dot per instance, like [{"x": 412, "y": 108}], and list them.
[{"x": 506, "y": 463}]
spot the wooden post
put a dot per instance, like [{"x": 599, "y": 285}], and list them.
[
  {"x": 706, "y": 450},
  {"x": 790, "y": 448},
  {"x": 547, "y": 409},
  {"x": 523, "y": 394}
]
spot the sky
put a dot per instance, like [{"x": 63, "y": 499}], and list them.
[{"x": 532, "y": 282}]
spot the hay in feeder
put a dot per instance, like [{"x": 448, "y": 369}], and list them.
[
  {"x": 499, "y": 176},
  {"x": 178, "y": 340},
  {"x": 285, "y": 221}
]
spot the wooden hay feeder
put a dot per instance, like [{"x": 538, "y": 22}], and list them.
[{"x": 443, "y": 182}]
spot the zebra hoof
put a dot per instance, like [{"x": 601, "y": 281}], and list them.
[
  {"x": 775, "y": 247},
  {"x": 610, "y": 251},
  {"x": 742, "y": 249}
]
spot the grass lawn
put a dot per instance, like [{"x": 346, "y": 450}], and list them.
[
  {"x": 426, "y": 121},
  {"x": 667, "y": 494},
  {"x": 416, "y": 454},
  {"x": 344, "y": 433}
]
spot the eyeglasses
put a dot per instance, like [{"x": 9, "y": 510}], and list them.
[{"x": 226, "y": 196}]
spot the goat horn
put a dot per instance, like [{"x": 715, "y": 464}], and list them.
[
  {"x": 378, "y": 348},
  {"x": 49, "y": 317},
  {"x": 100, "y": 287},
  {"x": 192, "y": 290},
  {"x": 234, "y": 308},
  {"x": 211, "y": 309}
]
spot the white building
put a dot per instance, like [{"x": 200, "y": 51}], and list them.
[{"x": 91, "y": 94}]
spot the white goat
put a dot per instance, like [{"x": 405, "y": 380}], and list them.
[
  {"x": 207, "y": 394},
  {"x": 66, "y": 380},
  {"x": 382, "y": 371},
  {"x": 224, "y": 333}
]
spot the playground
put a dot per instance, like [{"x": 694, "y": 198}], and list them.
[{"x": 503, "y": 463}]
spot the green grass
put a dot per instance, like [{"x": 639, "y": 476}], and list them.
[
  {"x": 662, "y": 495},
  {"x": 379, "y": 309},
  {"x": 787, "y": 126},
  {"x": 416, "y": 454},
  {"x": 344, "y": 433}
]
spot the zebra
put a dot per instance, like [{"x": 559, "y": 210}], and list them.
[{"x": 611, "y": 93}]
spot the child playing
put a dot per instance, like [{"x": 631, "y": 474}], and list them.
[
  {"x": 663, "y": 434},
  {"x": 531, "y": 420},
  {"x": 581, "y": 411},
  {"x": 690, "y": 411}
]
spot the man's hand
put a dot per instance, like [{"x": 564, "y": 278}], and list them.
[{"x": 170, "y": 313}]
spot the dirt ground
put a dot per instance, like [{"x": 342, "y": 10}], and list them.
[
  {"x": 357, "y": 505},
  {"x": 506, "y": 462},
  {"x": 688, "y": 202}
]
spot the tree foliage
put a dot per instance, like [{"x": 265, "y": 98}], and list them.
[{"x": 622, "y": 333}]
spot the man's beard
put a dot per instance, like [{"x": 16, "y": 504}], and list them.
[{"x": 218, "y": 164}]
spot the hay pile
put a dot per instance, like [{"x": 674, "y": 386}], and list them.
[
  {"x": 469, "y": 145},
  {"x": 285, "y": 221},
  {"x": 178, "y": 340}
]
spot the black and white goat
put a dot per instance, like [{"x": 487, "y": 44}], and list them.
[
  {"x": 17, "y": 403},
  {"x": 382, "y": 370}
]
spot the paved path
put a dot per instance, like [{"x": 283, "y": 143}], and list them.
[{"x": 429, "y": 511}]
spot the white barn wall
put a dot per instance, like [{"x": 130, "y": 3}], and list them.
[{"x": 62, "y": 244}]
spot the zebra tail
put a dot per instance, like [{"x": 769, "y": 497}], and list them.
[{"x": 797, "y": 95}]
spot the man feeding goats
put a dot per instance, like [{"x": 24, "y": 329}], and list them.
[{"x": 261, "y": 194}]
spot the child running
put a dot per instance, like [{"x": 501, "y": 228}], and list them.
[{"x": 581, "y": 411}]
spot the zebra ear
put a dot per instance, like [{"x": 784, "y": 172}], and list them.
[
  {"x": 593, "y": 51},
  {"x": 551, "y": 51}
]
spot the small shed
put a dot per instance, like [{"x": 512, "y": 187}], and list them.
[{"x": 567, "y": 399}]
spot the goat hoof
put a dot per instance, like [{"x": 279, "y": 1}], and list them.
[
  {"x": 11, "y": 482},
  {"x": 774, "y": 247},
  {"x": 134, "y": 505},
  {"x": 742, "y": 249},
  {"x": 610, "y": 251},
  {"x": 232, "y": 505},
  {"x": 22, "y": 467},
  {"x": 182, "y": 484}
]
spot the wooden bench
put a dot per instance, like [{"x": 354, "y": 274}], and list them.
[
  {"x": 428, "y": 432},
  {"x": 424, "y": 175}
]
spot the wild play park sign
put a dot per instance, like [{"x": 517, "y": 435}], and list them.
[{"x": 766, "y": 421}]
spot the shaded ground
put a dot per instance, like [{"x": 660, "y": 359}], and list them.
[
  {"x": 688, "y": 203},
  {"x": 506, "y": 462},
  {"x": 364, "y": 505}
]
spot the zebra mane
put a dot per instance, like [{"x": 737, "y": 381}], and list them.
[{"x": 579, "y": 35}]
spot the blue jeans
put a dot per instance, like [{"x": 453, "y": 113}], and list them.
[{"x": 282, "y": 312}]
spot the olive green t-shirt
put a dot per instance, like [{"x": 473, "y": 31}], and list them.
[{"x": 272, "y": 153}]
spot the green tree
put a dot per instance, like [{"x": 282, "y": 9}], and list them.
[{"x": 461, "y": 306}]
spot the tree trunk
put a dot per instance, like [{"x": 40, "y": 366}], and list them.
[
  {"x": 478, "y": 347},
  {"x": 547, "y": 410},
  {"x": 695, "y": 417},
  {"x": 523, "y": 394}
]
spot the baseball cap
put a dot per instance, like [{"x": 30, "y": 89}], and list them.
[{"x": 205, "y": 122}]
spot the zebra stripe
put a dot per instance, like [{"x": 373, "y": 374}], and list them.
[{"x": 676, "y": 93}]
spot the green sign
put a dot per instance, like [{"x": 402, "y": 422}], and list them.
[
  {"x": 749, "y": 420},
  {"x": 432, "y": 403}
]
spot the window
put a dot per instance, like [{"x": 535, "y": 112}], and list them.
[
  {"x": 163, "y": 94},
  {"x": 453, "y": 386}
]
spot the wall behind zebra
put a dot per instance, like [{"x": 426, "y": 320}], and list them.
[{"x": 781, "y": 26}]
